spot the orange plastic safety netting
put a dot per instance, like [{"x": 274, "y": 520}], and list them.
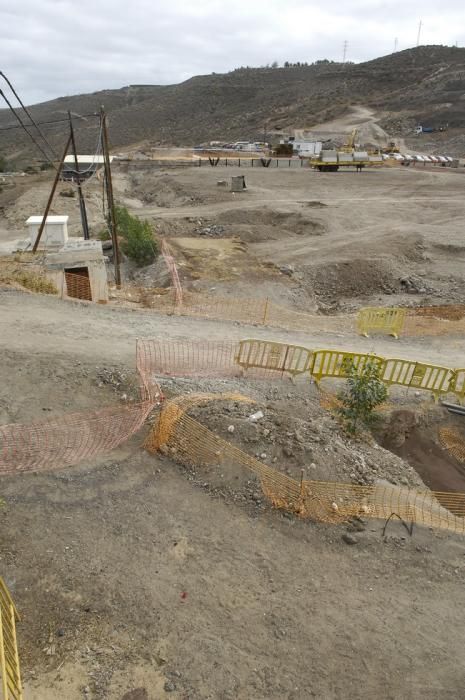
[
  {"x": 68, "y": 439},
  {"x": 71, "y": 438},
  {"x": 191, "y": 443}
]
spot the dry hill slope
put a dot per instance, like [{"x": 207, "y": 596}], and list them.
[{"x": 422, "y": 84}]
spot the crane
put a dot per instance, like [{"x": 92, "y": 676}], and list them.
[{"x": 350, "y": 145}]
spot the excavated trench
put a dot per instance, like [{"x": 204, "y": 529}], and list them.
[{"x": 414, "y": 437}]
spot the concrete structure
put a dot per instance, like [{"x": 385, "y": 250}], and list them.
[
  {"x": 55, "y": 233},
  {"x": 78, "y": 270},
  {"x": 238, "y": 183}
]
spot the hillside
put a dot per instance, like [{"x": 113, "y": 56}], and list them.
[{"x": 424, "y": 84}]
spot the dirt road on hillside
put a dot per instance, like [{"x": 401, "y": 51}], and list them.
[{"x": 32, "y": 322}]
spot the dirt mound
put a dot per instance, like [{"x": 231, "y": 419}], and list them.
[
  {"x": 162, "y": 190},
  {"x": 297, "y": 437},
  {"x": 349, "y": 279},
  {"x": 255, "y": 225}
]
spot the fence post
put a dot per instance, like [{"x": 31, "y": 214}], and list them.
[{"x": 265, "y": 312}]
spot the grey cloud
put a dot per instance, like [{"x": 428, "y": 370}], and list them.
[{"x": 59, "y": 47}]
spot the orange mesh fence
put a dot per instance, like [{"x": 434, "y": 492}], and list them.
[
  {"x": 451, "y": 312},
  {"x": 171, "y": 265},
  {"x": 453, "y": 442},
  {"x": 68, "y": 439},
  {"x": 191, "y": 443},
  {"x": 192, "y": 358},
  {"x": 251, "y": 311}
]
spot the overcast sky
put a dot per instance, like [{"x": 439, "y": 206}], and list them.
[{"x": 51, "y": 48}]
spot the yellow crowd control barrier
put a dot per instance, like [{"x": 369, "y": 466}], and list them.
[
  {"x": 10, "y": 676},
  {"x": 388, "y": 320},
  {"x": 336, "y": 363},
  {"x": 263, "y": 354},
  {"x": 418, "y": 375},
  {"x": 457, "y": 385}
]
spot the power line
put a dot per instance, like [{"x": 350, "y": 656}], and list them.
[
  {"x": 53, "y": 121},
  {"x": 28, "y": 114},
  {"x": 2, "y": 94}
]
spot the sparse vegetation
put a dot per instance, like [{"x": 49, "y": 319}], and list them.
[
  {"x": 17, "y": 273},
  {"x": 3, "y": 164},
  {"x": 139, "y": 244},
  {"x": 363, "y": 393},
  {"x": 35, "y": 281}
]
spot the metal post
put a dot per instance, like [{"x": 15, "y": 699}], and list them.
[
  {"x": 50, "y": 199},
  {"x": 111, "y": 202},
  {"x": 82, "y": 203},
  {"x": 265, "y": 313}
]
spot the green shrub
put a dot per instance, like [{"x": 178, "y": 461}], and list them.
[
  {"x": 139, "y": 244},
  {"x": 104, "y": 235},
  {"x": 363, "y": 393}
]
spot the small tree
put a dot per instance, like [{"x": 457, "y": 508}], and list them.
[
  {"x": 139, "y": 244},
  {"x": 363, "y": 393}
]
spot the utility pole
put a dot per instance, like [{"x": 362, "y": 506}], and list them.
[
  {"x": 50, "y": 199},
  {"x": 396, "y": 43},
  {"x": 345, "y": 46},
  {"x": 111, "y": 202},
  {"x": 419, "y": 32},
  {"x": 82, "y": 203}
]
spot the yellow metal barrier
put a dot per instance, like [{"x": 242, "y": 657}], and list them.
[
  {"x": 334, "y": 363},
  {"x": 457, "y": 385},
  {"x": 418, "y": 375},
  {"x": 280, "y": 357},
  {"x": 386, "y": 320},
  {"x": 10, "y": 676}
]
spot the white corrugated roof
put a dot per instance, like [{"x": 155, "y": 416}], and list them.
[{"x": 98, "y": 160}]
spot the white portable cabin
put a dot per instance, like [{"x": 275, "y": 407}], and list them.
[{"x": 306, "y": 148}]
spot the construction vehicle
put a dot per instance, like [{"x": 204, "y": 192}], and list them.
[
  {"x": 349, "y": 147},
  {"x": 392, "y": 148}
]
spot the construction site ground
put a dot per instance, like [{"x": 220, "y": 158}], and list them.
[{"x": 140, "y": 579}]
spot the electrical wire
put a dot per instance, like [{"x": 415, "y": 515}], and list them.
[
  {"x": 28, "y": 114},
  {"x": 53, "y": 121},
  {"x": 2, "y": 94}
]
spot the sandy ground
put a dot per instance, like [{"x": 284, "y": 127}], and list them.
[
  {"x": 137, "y": 582},
  {"x": 396, "y": 232},
  {"x": 99, "y": 557}
]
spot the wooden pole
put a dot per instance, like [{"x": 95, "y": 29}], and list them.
[
  {"x": 82, "y": 203},
  {"x": 50, "y": 199},
  {"x": 111, "y": 201}
]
